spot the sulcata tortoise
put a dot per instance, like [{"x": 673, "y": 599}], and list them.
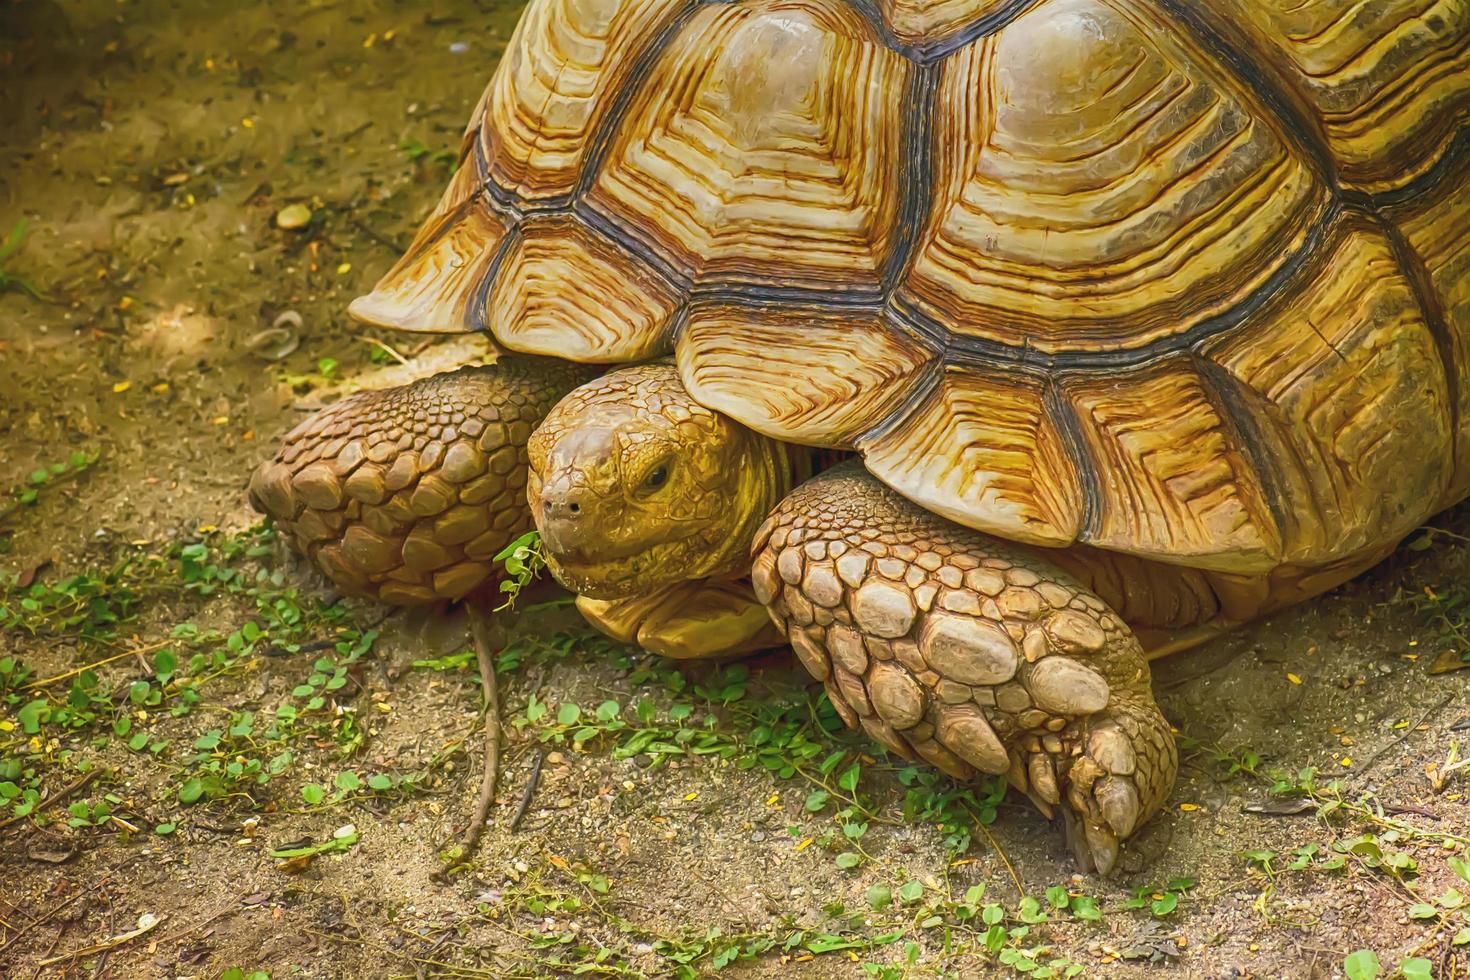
[{"x": 1133, "y": 320}]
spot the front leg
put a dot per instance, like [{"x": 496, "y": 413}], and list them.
[
  {"x": 969, "y": 652},
  {"x": 701, "y": 620},
  {"x": 406, "y": 495}
]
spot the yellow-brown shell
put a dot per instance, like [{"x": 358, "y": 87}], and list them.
[{"x": 1184, "y": 280}]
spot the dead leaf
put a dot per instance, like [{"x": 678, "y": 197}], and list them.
[
  {"x": 295, "y": 865},
  {"x": 24, "y": 580},
  {"x": 51, "y": 857},
  {"x": 1448, "y": 661}
]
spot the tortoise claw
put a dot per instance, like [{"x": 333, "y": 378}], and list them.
[
  {"x": 1093, "y": 847},
  {"x": 1103, "y": 847},
  {"x": 1111, "y": 786},
  {"x": 1120, "y": 806}
]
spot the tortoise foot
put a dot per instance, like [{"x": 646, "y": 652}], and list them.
[
  {"x": 968, "y": 652},
  {"x": 1116, "y": 769}
]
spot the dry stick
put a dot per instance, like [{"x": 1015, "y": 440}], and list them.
[
  {"x": 448, "y": 969},
  {"x": 55, "y": 942},
  {"x": 995, "y": 846},
  {"x": 103, "y": 946},
  {"x": 209, "y": 920},
  {"x": 99, "y": 966},
  {"x": 530, "y": 790},
  {"x": 1363, "y": 772},
  {"x": 138, "y": 651},
  {"x": 54, "y": 798},
  {"x": 481, "y": 629},
  {"x": 16, "y": 911},
  {"x": 386, "y": 348},
  {"x": 53, "y": 913}
]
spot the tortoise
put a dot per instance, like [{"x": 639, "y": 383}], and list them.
[{"x": 1130, "y": 321}]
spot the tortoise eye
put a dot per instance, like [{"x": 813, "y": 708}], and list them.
[{"x": 657, "y": 477}]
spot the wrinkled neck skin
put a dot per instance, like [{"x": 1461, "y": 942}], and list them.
[
  {"x": 759, "y": 479},
  {"x": 636, "y": 487}
]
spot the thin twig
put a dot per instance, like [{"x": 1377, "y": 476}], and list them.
[
  {"x": 386, "y": 348},
  {"x": 18, "y": 912},
  {"x": 99, "y": 968},
  {"x": 53, "y": 913},
  {"x": 481, "y": 629},
  {"x": 54, "y": 798},
  {"x": 208, "y": 920},
  {"x": 530, "y": 790},
  {"x": 106, "y": 944},
  {"x": 995, "y": 846},
  {"x": 138, "y": 651},
  {"x": 51, "y": 948},
  {"x": 1372, "y": 759}
]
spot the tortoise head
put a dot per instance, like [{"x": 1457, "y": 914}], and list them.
[{"x": 635, "y": 486}]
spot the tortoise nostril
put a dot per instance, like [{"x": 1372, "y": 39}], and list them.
[{"x": 561, "y": 505}]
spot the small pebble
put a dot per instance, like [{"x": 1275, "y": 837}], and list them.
[{"x": 293, "y": 216}]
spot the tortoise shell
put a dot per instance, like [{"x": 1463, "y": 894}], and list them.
[{"x": 1187, "y": 281}]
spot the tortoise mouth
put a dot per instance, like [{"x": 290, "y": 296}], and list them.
[{"x": 623, "y": 572}]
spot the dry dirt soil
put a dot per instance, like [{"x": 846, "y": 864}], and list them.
[{"x": 205, "y": 709}]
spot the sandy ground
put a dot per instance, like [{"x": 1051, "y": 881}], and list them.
[{"x": 150, "y": 146}]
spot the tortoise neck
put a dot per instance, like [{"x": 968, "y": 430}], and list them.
[{"x": 768, "y": 471}]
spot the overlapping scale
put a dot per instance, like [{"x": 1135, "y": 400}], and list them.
[
  {"x": 1388, "y": 80},
  {"x": 564, "y": 291},
  {"x": 763, "y": 150},
  {"x": 561, "y": 72},
  {"x": 811, "y": 375},
  {"x": 407, "y": 494},
  {"x": 1101, "y": 184}
]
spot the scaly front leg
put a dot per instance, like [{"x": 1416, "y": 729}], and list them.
[
  {"x": 969, "y": 652},
  {"x": 405, "y": 495}
]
